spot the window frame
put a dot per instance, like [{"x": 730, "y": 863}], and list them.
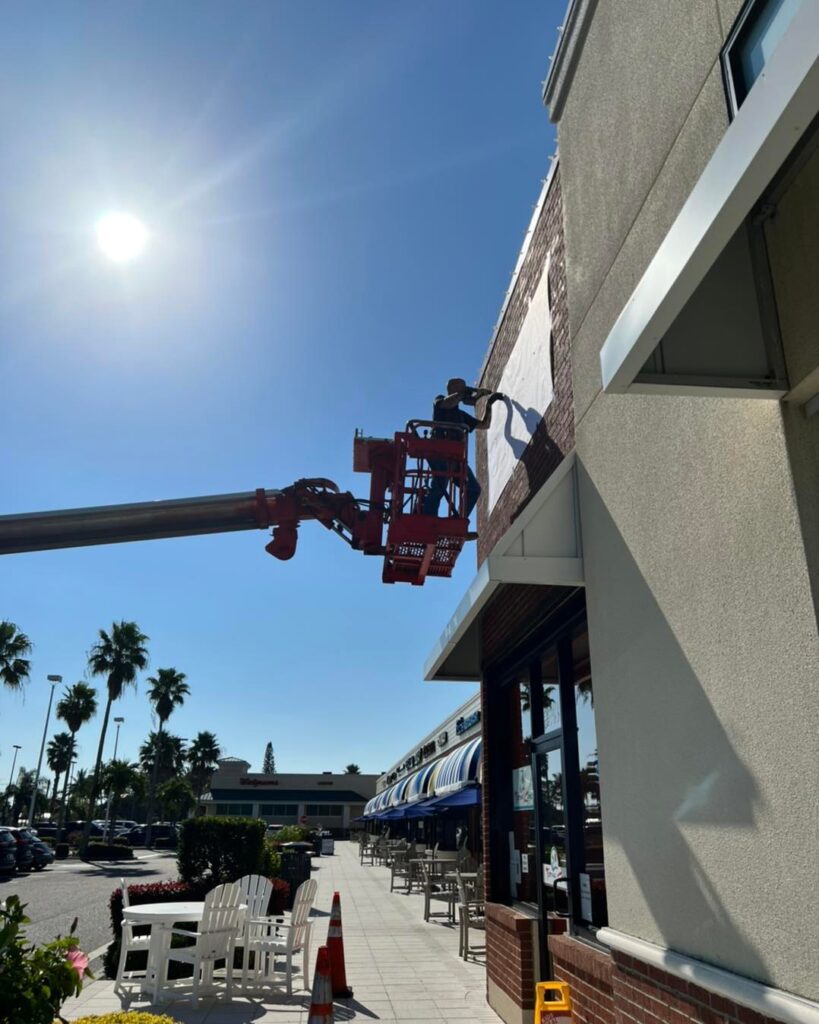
[{"x": 736, "y": 89}]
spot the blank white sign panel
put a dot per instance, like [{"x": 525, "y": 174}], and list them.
[{"x": 527, "y": 384}]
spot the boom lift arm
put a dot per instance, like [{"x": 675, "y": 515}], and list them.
[{"x": 402, "y": 470}]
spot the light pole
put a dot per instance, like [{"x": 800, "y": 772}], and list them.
[
  {"x": 11, "y": 780},
  {"x": 119, "y": 722},
  {"x": 53, "y": 680},
  {"x": 14, "y": 762}
]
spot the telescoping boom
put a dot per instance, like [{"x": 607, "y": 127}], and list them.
[{"x": 390, "y": 523}]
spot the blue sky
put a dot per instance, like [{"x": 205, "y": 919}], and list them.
[{"x": 337, "y": 193}]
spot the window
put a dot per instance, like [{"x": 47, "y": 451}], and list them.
[
  {"x": 279, "y": 810},
  {"x": 323, "y": 811},
  {"x": 554, "y": 833},
  {"x": 234, "y": 810},
  {"x": 760, "y": 26}
]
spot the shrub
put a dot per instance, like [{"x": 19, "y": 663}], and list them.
[
  {"x": 271, "y": 860},
  {"x": 127, "y": 1017},
  {"x": 220, "y": 849},
  {"x": 292, "y": 834},
  {"x": 36, "y": 980}
]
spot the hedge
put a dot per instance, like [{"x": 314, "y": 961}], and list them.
[{"x": 220, "y": 849}]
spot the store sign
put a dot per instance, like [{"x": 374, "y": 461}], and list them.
[
  {"x": 257, "y": 782},
  {"x": 443, "y": 738},
  {"x": 467, "y": 722}
]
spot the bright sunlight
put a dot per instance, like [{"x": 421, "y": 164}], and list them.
[{"x": 121, "y": 236}]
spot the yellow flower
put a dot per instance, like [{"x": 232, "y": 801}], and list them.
[{"x": 126, "y": 1017}]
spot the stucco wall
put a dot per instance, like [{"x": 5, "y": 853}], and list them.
[{"x": 701, "y": 621}]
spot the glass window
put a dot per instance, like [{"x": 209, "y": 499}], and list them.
[
  {"x": 755, "y": 37},
  {"x": 550, "y": 690},
  {"x": 522, "y": 838},
  {"x": 592, "y": 879},
  {"x": 323, "y": 810},
  {"x": 552, "y": 831},
  {"x": 278, "y": 810}
]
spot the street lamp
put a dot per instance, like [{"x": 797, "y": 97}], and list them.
[
  {"x": 14, "y": 762},
  {"x": 53, "y": 680},
  {"x": 119, "y": 722}
]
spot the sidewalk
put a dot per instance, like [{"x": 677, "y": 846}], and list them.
[{"x": 399, "y": 968}]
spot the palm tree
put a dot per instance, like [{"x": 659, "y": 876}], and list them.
[
  {"x": 76, "y": 707},
  {"x": 352, "y": 769},
  {"x": 168, "y": 691},
  {"x": 118, "y": 777},
  {"x": 176, "y": 798},
  {"x": 59, "y": 752},
  {"x": 203, "y": 754},
  {"x": 14, "y": 666},
  {"x": 165, "y": 750},
  {"x": 118, "y": 656},
  {"x": 80, "y": 792}
]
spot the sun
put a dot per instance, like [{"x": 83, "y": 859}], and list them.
[{"x": 121, "y": 236}]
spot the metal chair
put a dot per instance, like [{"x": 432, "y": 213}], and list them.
[{"x": 471, "y": 913}]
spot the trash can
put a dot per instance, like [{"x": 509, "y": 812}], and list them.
[{"x": 296, "y": 867}]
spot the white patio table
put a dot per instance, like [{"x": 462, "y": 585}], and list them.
[{"x": 162, "y": 917}]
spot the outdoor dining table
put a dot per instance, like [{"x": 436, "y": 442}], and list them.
[{"x": 162, "y": 917}]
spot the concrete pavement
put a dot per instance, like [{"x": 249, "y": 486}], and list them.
[{"x": 401, "y": 969}]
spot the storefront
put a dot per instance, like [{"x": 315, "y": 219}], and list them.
[
  {"x": 439, "y": 802},
  {"x": 643, "y": 616}
]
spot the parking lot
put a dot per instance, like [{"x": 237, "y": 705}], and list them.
[{"x": 71, "y": 888}]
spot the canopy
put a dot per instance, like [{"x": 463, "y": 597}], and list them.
[
  {"x": 459, "y": 768},
  {"x": 470, "y": 796}
]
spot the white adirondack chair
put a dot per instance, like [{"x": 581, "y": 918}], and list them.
[
  {"x": 269, "y": 937},
  {"x": 129, "y": 944},
  {"x": 216, "y": 938},
  {"x": 256, "y": 891}
]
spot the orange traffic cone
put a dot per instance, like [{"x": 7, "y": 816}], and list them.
[
  {"x": 335, "y": 944},
  {"x": 321, "y": 1002}
]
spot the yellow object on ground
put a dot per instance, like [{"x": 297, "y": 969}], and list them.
[{"x": 552, "y": 1000}]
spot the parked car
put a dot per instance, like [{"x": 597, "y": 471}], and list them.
[
  {"x": 43, "y": 854},
  {"x": 25, "y": 848},
  {"x": 8, "y": 852},
  {"x": 162, "y": 832}
]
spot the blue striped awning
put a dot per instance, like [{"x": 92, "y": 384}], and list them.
[
  {"x": 397, "y": 793},
  {"x": 459, "y": 768},
  {"x": 419, "y": 783}
]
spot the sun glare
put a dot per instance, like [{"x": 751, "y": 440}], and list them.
[{"x": 121, "y": 236}]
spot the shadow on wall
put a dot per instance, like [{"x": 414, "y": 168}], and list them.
[
  {"x": 667, "y": 763},
  {"x": 536, "y": 451}
]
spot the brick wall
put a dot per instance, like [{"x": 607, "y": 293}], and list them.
[
  {"x": 612, "y": 988},
  {"x": 510, "y": 954},
  {"x": 554, "y": 436}
]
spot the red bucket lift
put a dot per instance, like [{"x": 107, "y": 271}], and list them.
[{"x": 402, "y": 472}]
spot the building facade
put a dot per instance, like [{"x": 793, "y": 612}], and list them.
[
  {"x": 329, "y": 800},
  {"x": 644, "y": 617}
]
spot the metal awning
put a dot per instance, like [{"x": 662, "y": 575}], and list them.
[
  {"x": 777, "y": 110},
  {"x": 541, "y": 547}
]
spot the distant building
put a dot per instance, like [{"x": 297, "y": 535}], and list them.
[{"x": 327, "y": 799}]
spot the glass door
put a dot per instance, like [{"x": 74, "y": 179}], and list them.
[{"x": 550, "y": 809}]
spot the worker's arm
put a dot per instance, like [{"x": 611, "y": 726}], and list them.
[
  {"x": 486, "y": 419},
  {"x": 471, "y": 395}
]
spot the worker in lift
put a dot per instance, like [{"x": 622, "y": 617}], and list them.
[{"x": 446, "y": 409}]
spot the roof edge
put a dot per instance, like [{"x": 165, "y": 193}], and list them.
[{"x": 567, "y": 56}]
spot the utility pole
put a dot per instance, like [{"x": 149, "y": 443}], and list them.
[{"x": 119, "y": 722}]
